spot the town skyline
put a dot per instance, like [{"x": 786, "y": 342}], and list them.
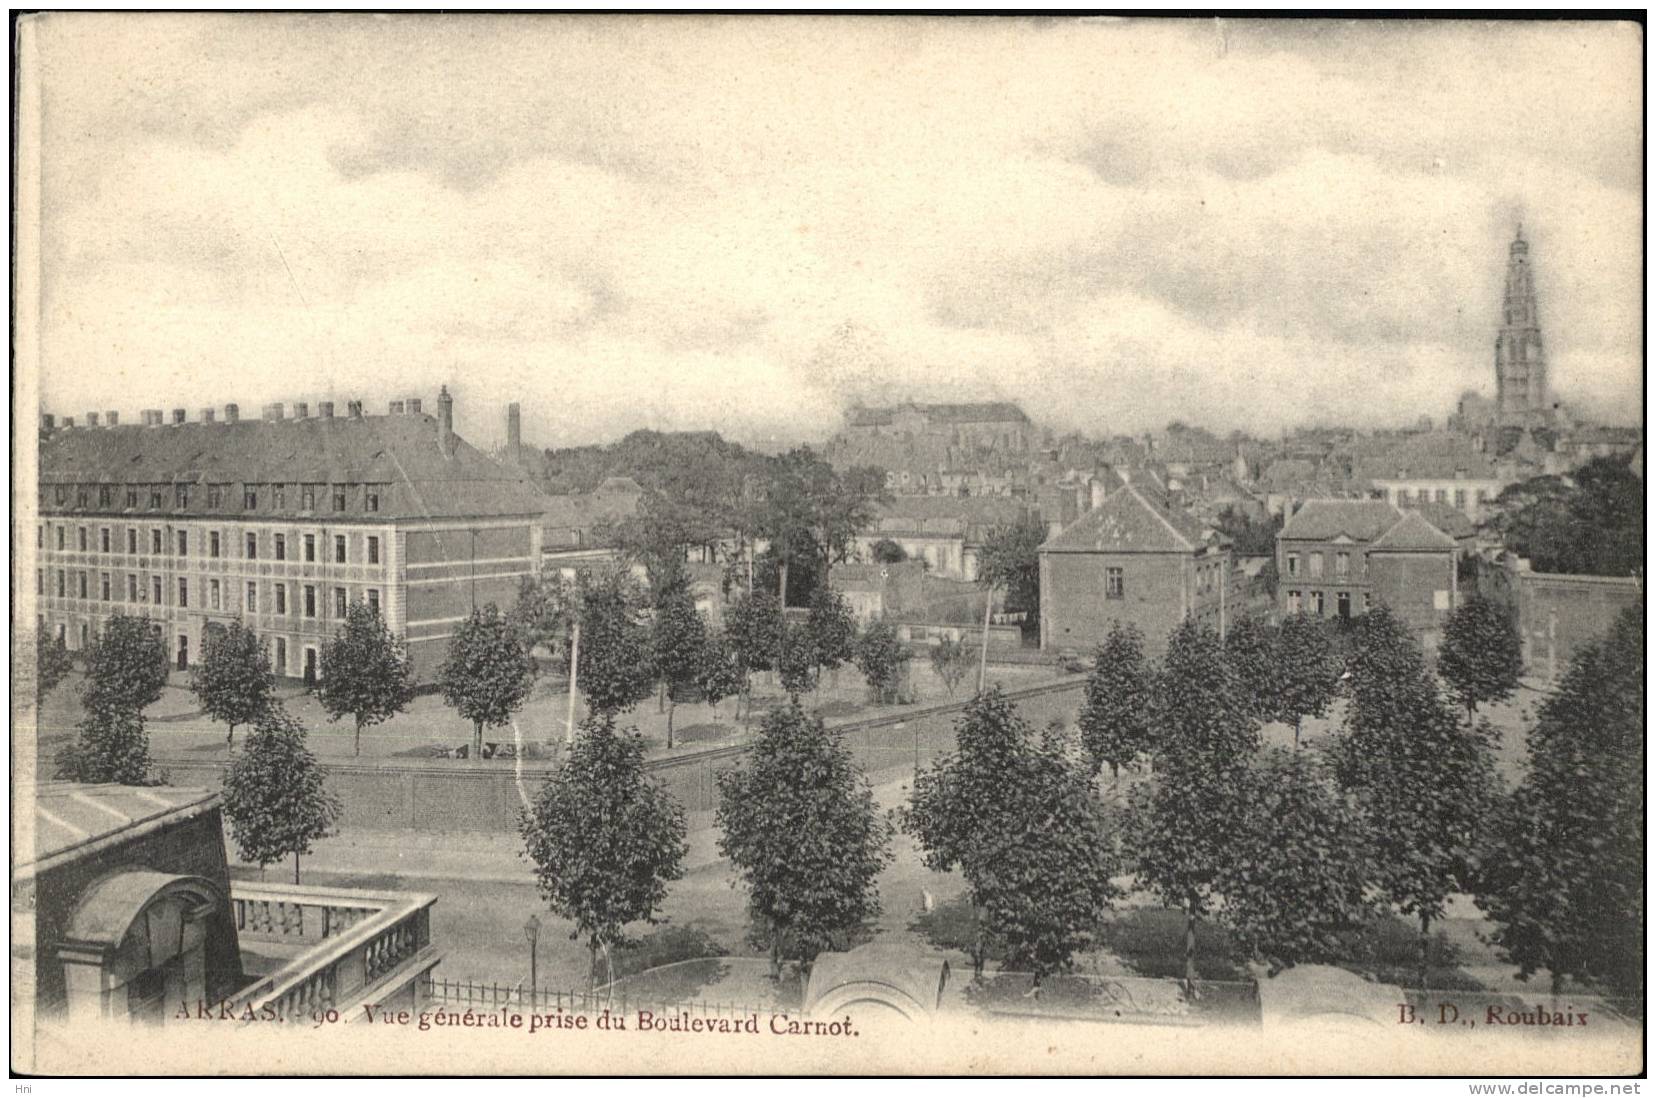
[{"x": 750, "y": 248}]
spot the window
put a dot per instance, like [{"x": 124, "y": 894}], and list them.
[
  {"x": 132, "y": 587},
  {"x": 212, "y": 594},
  {"x": 80, "y": 537},
  {"x": 106, "y": 495},
  {"x": 339, "y": 548},
  {"x": 250, "y": 497},
  {"x": 1114, "y": 585},
  {"x": 280, "y": 546},
  {"x": 213, "y": 544},
  {"x": 183, "y": 543},
  {"x": 1477, "y": 496},
  {"x": 1315, "y": 560},
  {"x": 103, "y": 540},
  {"x": 62, "y": 583},
  {"x": 281, "y": 598},
  {"x": 40, "y": 582},
  {"x": 132, "y": 498},
  {"x": 310, "y": 601},
  {"x": 155, "y": 587},
  {"x": 40, "y": 537},
  {"x": 1342, "y": 564},
  {"x": 252, "y": 598},
  {"x": 181, "y": 496},
  {"x": 82, "y": 495},
  {"x": 310, "y": 548},
  {"x": 1294, "y": 606},
  {"x": 155, "y": 540},
  {"x": 132, "y": 541},
  {"x": 252, "y": 546},
  {"x": 183, "y": 592},
  {"x": 373, "y": 549},
  {"x": 373, "y": 600},
  {"x": 370, "y": 499},
  {"x": 215, "y": 496},
  {"x": 60, "y": 537},
  {"x": 307, "y": 497},
  {"x": 1342, "y": 603},
  {"x": 1317, "y": 603},
  {"x": 1368, "y": 601},
  {"x": 61, "y": 494},
  {"x": 1460, "y": 499},
  {"x": 339, "y": 602},
  {"x": 1441, "y": 495},
  {"x": 339, "y": 497},
  {"x": 278, "y": 496},
  {"x": 103, "y": 587},
  {"x": 155, "y": 497}
]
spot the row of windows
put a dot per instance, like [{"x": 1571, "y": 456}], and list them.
[
  {"x": 344, "y": 497},
  {"x": 79, "y": 585},
  {"x": 1438, "y": 495},
  {"x": 1298, "y": 603},
  {"x": 212, "y": 541},
  {"x": 1314, "y": 565}
]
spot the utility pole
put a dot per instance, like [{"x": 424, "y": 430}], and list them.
[
  {"x": 574, "y": 662},
  {"x": 983, "y": 657}
]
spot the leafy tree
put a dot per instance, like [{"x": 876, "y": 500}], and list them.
[
  {"x": 1562, "y": 875},
  {"x": 112, "y": 747},
  {"x": 832, "y": 629},
  {"x": 1424, "y": 778},
  {"x": 1308, "y": 670},
  {"x": 800, "y": 825},
  {"x": 1249, "y": 537},
  {"x": 678, "y": 641},
  {"x": 1009, "y": 560},
  {"x": 949, "y": 658},
  {"x": 615, "y": 670},
  {"x": 1022, "y": 826},
  {"x": 366, "y": 674},
  {"x": 811, "y": 512},
  {"x": 1482, "y": 655},
  {"x": 883, "y": 659},
  {"x": 1180, "y": 825},
  {"x": 274, "y": 794},
  {"x": 126, "y": 667},
  {"x": 754, "y": 624},
  {"x": 720, "y": 676},
  {"x": 233, "y": 681},
  {"x": 1590, "y": 524},
  {"x": 488, "y": 672},
  {"x": 604, "y": 839},
  {"x": 1299, "y": 874},
  {"x": 1251, "y": 649},
  {"x": 545, "y": 607},
  {"x": 797, "y": 668},
  {"x": 52, "y": 662},
  {"x": 886, "y": 551},
  {"x": 1115, "y": 717}
]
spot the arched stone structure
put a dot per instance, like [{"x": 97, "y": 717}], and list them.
[{"x": 878, "y": 979}]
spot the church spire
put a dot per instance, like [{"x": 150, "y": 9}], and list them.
[{"x": 1520, "y": 365}]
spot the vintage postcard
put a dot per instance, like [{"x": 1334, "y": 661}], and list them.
[{"x": 692, "y": 544}]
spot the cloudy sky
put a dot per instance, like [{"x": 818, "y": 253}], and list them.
[{"x": 742, "y": 224}]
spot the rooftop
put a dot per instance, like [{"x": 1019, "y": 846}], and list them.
[
  {"x": 1327, "y": 519},
  {"x": 71, "y": 819},
  {"x": 998, "y": 411},
  {"x": 1132, "y": 520}
]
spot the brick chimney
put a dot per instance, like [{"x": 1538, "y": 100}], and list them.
[
  {"x": 353, "y": 408},
  {"x": 232, "y": 414},
  {"x": 178, "y": 416},
  {"x": 91, "y": 419},
  {"x": 273, "y": 412},
  {"x": 445, "y": 422},
  {"x": 324, "y": 409},
  {"x": 395, "y": 408},
  {"x": 208, "y": 415},
  {"x": 68, "y": 421},
  {"x": 301, "y": 411},
  {"x": 48, "y": 423},
  {"x": 414, "y": 406},
  {"x": 112, "y": 418},
  {"x": 514, "y": 434}
]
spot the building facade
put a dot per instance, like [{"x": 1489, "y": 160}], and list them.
[
  {"x": 281, "y": 522},
  {"x": 1135, "y": 561}
]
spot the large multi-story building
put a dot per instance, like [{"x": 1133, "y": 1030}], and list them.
[{"x": 282, "y": 522}]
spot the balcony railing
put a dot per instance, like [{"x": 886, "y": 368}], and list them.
[{"x": 356, "y": 946}]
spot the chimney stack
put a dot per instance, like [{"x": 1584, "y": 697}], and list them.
[
  {"x": 273, "y": 412},
  {"x": 232, "y": 414},
  {"x": 112, "y": 418},
  {"x": 301, "y": 411},
  {"x": 445, "y": 422},
  {"x": 178, "y": 416},
  {"x": 414, "y": 406},
  {"x": 68, "y": 421},
  {"x": 48, "y": 423},
  {"x": 514, "y": 434},
  {"x": 208, "y": 415},
  {"x": 91, "y": 419},
  {"x": 396, "y": 408},
  {"x": 353, "y": 408},
  {"x": 324, "y": 409}
]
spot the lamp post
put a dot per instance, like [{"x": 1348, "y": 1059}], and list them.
[{"x": 531, "y": 931}]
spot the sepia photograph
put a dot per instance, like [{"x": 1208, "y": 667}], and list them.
[{"x": 780, "y": 544}]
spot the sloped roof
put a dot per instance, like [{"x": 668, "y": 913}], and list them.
[
  {"x": 1437, "y": 455},
  {"x": 1412, "y": 531},
  {"x": 398, "y": 452},
  {"x": 1447, "y": 518},
  {"x": 1130, "y": 520},
  {"x": 1326, "y": 519},
  {"x": 69, "y": 817},
  {"x": 970, "y": 516}
]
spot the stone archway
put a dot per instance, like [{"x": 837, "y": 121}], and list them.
[{"x": 877, "y": 980}]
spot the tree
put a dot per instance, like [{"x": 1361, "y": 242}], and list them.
[
  {"x": 1249, "y": 537},
  {"x": 1009, "y": 560},
  {"x": 1299, "y": 874},
  {"x": 233, "y": 681},
  {"x": 678, "y": 641},
  {"x": 1180, "y": 825},
  {"x": 275, "y": 798},
  {"x": 1590, "y": 524},
  {"x": 754, "y": 625},
  {"x": 832, "y": 630},
  {"x": 1308, "y": 670},
  {"x": 615, "y": 669},
  {"x": 126, "y": 667},
  {"x": 720, "y": 676},
  {"x": 366, "y": 674},
  {"x": 545, "y": 607},
  {"x": 1024, "y": 829},
  {"x": 949, "y": 659},
  {"x": 1115, "y": 717},
  {"x": 604, "y": 839},
  {"x": 488, "y": 672},
  {"x": 112, "y": 747},
  {"x": 1562, "y": 875},
  {"x": 883, "y": 660},
  {"x": 52, "y": 662},
  {"x": 799, "y": 823},
  {"x": 1251, "y": 649},
  {"x": 797, "y": 667},
  {"x": 1482, "y": 654},
  {"x": 1424, "y": 779},
  {"x": 886, "y": 551}
]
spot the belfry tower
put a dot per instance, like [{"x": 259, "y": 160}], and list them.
[{"x": 1520, "y": 365}]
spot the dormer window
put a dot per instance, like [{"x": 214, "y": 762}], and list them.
[
  {"x": 106, "y": 495},
  {"x": 155, "y": 497},
  {"x": 250, "y": 497},
  {"x": 82, "y": 495},
  {"x": 62, "y": 494},
  {"x": 339, "y": 497},
  {"x": 132, "y": 498},
  {"x": 181, "y": 496},
  {"x": 215, "y": 496},
  {"x": 307, "y": 497},
  {"x": 370, "y": 498}
]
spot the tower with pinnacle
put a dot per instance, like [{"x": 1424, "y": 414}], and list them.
[{"x": 1521, "y": 397}]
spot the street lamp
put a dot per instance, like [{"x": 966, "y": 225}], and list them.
[{"x": 531, "y": 931}]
